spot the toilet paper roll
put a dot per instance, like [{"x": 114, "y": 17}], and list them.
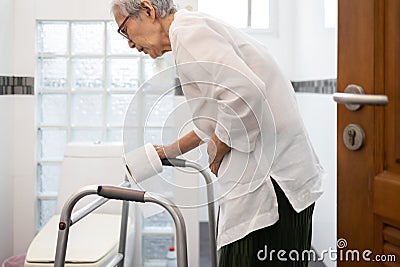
[{"x": 143, "y": 163}]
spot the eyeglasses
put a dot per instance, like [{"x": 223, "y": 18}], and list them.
[{"x": 122, "y": 28}]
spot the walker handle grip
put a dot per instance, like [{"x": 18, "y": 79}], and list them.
[
  {"x": 120, "y": 193},
  {"x": 174, "y": 162}
]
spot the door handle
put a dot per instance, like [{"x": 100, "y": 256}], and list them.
[{"x": 354, "y": 98}]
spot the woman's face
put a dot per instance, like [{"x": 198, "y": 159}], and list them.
[{"x": 146, "y": 32}]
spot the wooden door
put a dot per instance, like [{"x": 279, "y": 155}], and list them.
[{"x": 369, "y": 178}]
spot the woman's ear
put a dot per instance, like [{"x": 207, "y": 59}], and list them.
[{"x": 148, "y": 8}]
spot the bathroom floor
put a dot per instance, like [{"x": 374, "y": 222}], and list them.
[{"x": 205, "y": 248}]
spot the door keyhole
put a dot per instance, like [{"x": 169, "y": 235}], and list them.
[{"x": 352, "y": 136}]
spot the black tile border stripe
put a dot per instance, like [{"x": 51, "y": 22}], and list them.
[
  {"x": 327, "y": 86},
  {"x": 12, "y": 85}
]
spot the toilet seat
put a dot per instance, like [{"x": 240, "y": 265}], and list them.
[
  {"x": 91, "y": 243},
  {"x": 94, "y": 240}
]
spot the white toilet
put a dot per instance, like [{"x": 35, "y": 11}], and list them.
[{"x": 94, "y": 239}]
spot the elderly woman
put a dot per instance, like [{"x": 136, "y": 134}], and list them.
[{"x": 246, "y": 111}]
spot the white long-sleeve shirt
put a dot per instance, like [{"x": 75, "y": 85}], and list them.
[{"x": 235, "y": 88}]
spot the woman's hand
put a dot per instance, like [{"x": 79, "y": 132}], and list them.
[
  {"x": 160, "y": 151},
  {"x": 216, "y": 151},
  {"x": 168, "y": 151}
]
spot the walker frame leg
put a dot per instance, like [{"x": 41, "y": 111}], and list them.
[{"x": 174, "y": 162}]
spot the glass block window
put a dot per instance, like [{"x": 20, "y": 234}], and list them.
[
  {"x": 153, "y": 247},
  {"x": 86, "y": 77},
  {"x": 254, "y": 14}
]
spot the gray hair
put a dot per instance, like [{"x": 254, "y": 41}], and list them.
[{"x": 132, "y": 7}]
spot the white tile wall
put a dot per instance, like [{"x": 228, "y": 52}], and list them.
[
  {"x": 24, "y": 176},
  {"x": 6, "y": 40},
  {"x": 6, "y": 185},
  {"x": 17, "y": 174}
]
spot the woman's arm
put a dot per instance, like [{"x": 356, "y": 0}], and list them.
[
  {"x": 216, "y": 149},
  {"x": 179, "y": 147}
]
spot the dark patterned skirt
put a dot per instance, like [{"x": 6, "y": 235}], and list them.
[{"x": 284, "y": 244}]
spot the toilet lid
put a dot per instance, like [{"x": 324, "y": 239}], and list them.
[{"x": 90, "y": 239}]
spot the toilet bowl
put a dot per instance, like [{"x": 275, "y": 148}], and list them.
[{"x": 95, "y": 239}]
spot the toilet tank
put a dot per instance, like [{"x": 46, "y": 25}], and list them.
[{"x": 91, "y": 164}]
